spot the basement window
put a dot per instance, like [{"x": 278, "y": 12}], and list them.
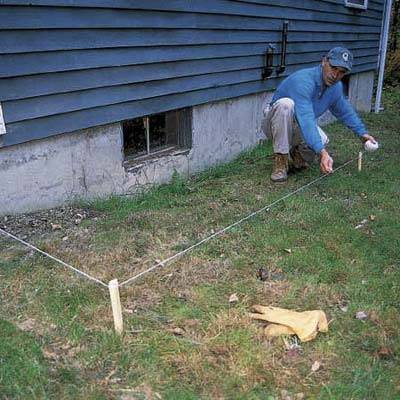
[
  {"x": 157, "y": 135},
  {"x": 362, "y": 4}
]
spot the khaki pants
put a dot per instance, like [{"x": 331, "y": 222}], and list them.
[{"x": 281, "y": 126}]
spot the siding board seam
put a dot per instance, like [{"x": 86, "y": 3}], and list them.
[
  {"x": 374, "y": 44},
  {"x": 7, "y": 25},
  {"x": 17, "y": 44},
  {"x": 318, "y": 16}
]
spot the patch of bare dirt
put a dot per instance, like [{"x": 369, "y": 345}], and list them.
[{"x": 44, "y": 222}]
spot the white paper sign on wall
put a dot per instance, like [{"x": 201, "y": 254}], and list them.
[{"x": 2, "y": 124}]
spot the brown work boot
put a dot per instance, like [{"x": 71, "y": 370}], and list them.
[
  {"x": 281, "y": 166},
  {"x": 297, "y": 161}
]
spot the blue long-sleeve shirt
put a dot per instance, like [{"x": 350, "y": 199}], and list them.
[{"x": 312, "y": 98}]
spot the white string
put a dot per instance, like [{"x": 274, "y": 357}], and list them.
[
  {"x": 53, "y": 258},
  {"x": 266, "y": 208}
]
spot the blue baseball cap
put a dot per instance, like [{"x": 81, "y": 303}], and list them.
[{"x": 340, "y": 57}]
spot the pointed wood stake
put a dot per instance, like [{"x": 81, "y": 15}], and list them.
[
  {"x": 360, "y": 154},
  {"x": 116, "y": 305}
]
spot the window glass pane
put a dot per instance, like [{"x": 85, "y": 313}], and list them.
[
  {"x": 134, "y": 136},
  {"x": 157, "y": 131},
  {"x": 356, "y": 3},
  {"x": 163, "y": 131}
]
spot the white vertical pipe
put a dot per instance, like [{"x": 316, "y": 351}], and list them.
[
  {"x": 148, "y": 135},
  {"x": 2, "y": 123},
  {"x": 382, "y": 56}
]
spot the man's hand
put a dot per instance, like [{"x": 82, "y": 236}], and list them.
[
  {"x": 325, "y": 162},
  {"x": 366, "y": 137}
]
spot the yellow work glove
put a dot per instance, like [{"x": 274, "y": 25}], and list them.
[{"x": 304, "y": 324}]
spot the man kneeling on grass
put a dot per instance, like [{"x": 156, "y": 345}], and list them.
[{"x": 291, "y": 117}]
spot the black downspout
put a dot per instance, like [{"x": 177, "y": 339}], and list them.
[{"x": 282, "y": 65}]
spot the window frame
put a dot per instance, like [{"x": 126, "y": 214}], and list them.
[
  {"x": 350, "y": 4},
  {"x": 183, "y": 136}
]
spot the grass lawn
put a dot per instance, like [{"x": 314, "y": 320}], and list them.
[{"x": 334, "y": 246}]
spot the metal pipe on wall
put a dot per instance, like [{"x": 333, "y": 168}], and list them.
[{"x": 382, "y": 55}]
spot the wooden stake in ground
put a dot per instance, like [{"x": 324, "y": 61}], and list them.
[
  {"x": 360, "y": 154},
  {"x": 116, "y": 305}
]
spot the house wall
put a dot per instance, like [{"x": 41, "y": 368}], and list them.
[
  {"x": 72, "y": 64},
  {"x": 89, "y": 163},
  {"x": 361, "y": 91},
  {"x": 72, "y": 70}
]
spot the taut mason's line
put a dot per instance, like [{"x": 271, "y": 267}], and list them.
[
  {"x": 53, "y": 258},
  {"x": 266, "y": 208}
]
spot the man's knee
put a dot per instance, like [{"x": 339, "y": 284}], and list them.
[
  {"x": 284, "y": 105},
  {"x": 278, "y": 119}
]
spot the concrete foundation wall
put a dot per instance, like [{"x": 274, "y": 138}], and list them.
[
  {"x": 361, "y": 90},
  {"x": 222, "y": 130},
  {"x": 89, "y": 163}
]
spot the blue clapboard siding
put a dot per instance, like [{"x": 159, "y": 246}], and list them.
[
  {"x": 56, "y": 61},
  {"x": 36, "y": 107},
  {"x": 64, "y": 82},
  {"x": 43, "y": 127},
  {"x": 68, "y": 65},
  {"x": 207, "y": 6},
  {"x": 60, "y": 18}
]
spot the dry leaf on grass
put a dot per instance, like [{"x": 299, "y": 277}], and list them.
[
  {"x": 374, "y": 317},
  {"x": 50, "y": 354},
  {"x": 293, "y": 352},
  {"x": 316, "y": 366},
  {"x": 27, "y": 326},
  {"x": 191, "y": 323},
  {"x": 361, "y": 224},
  {"x": 384, "y": 352},
  {"x": 220, "y": 350},
  {"x": 176, "y": 331},
  {"x": 233, "y": 298},
  {"x": 55, "y": 227},
  {"x": 143, "y": 391},
  {"x": 262, "y": 274},
  {"x": 361, "y": 315},
  {"x": 213, "y": 206},
  {"x": 285, "y": 395}
]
